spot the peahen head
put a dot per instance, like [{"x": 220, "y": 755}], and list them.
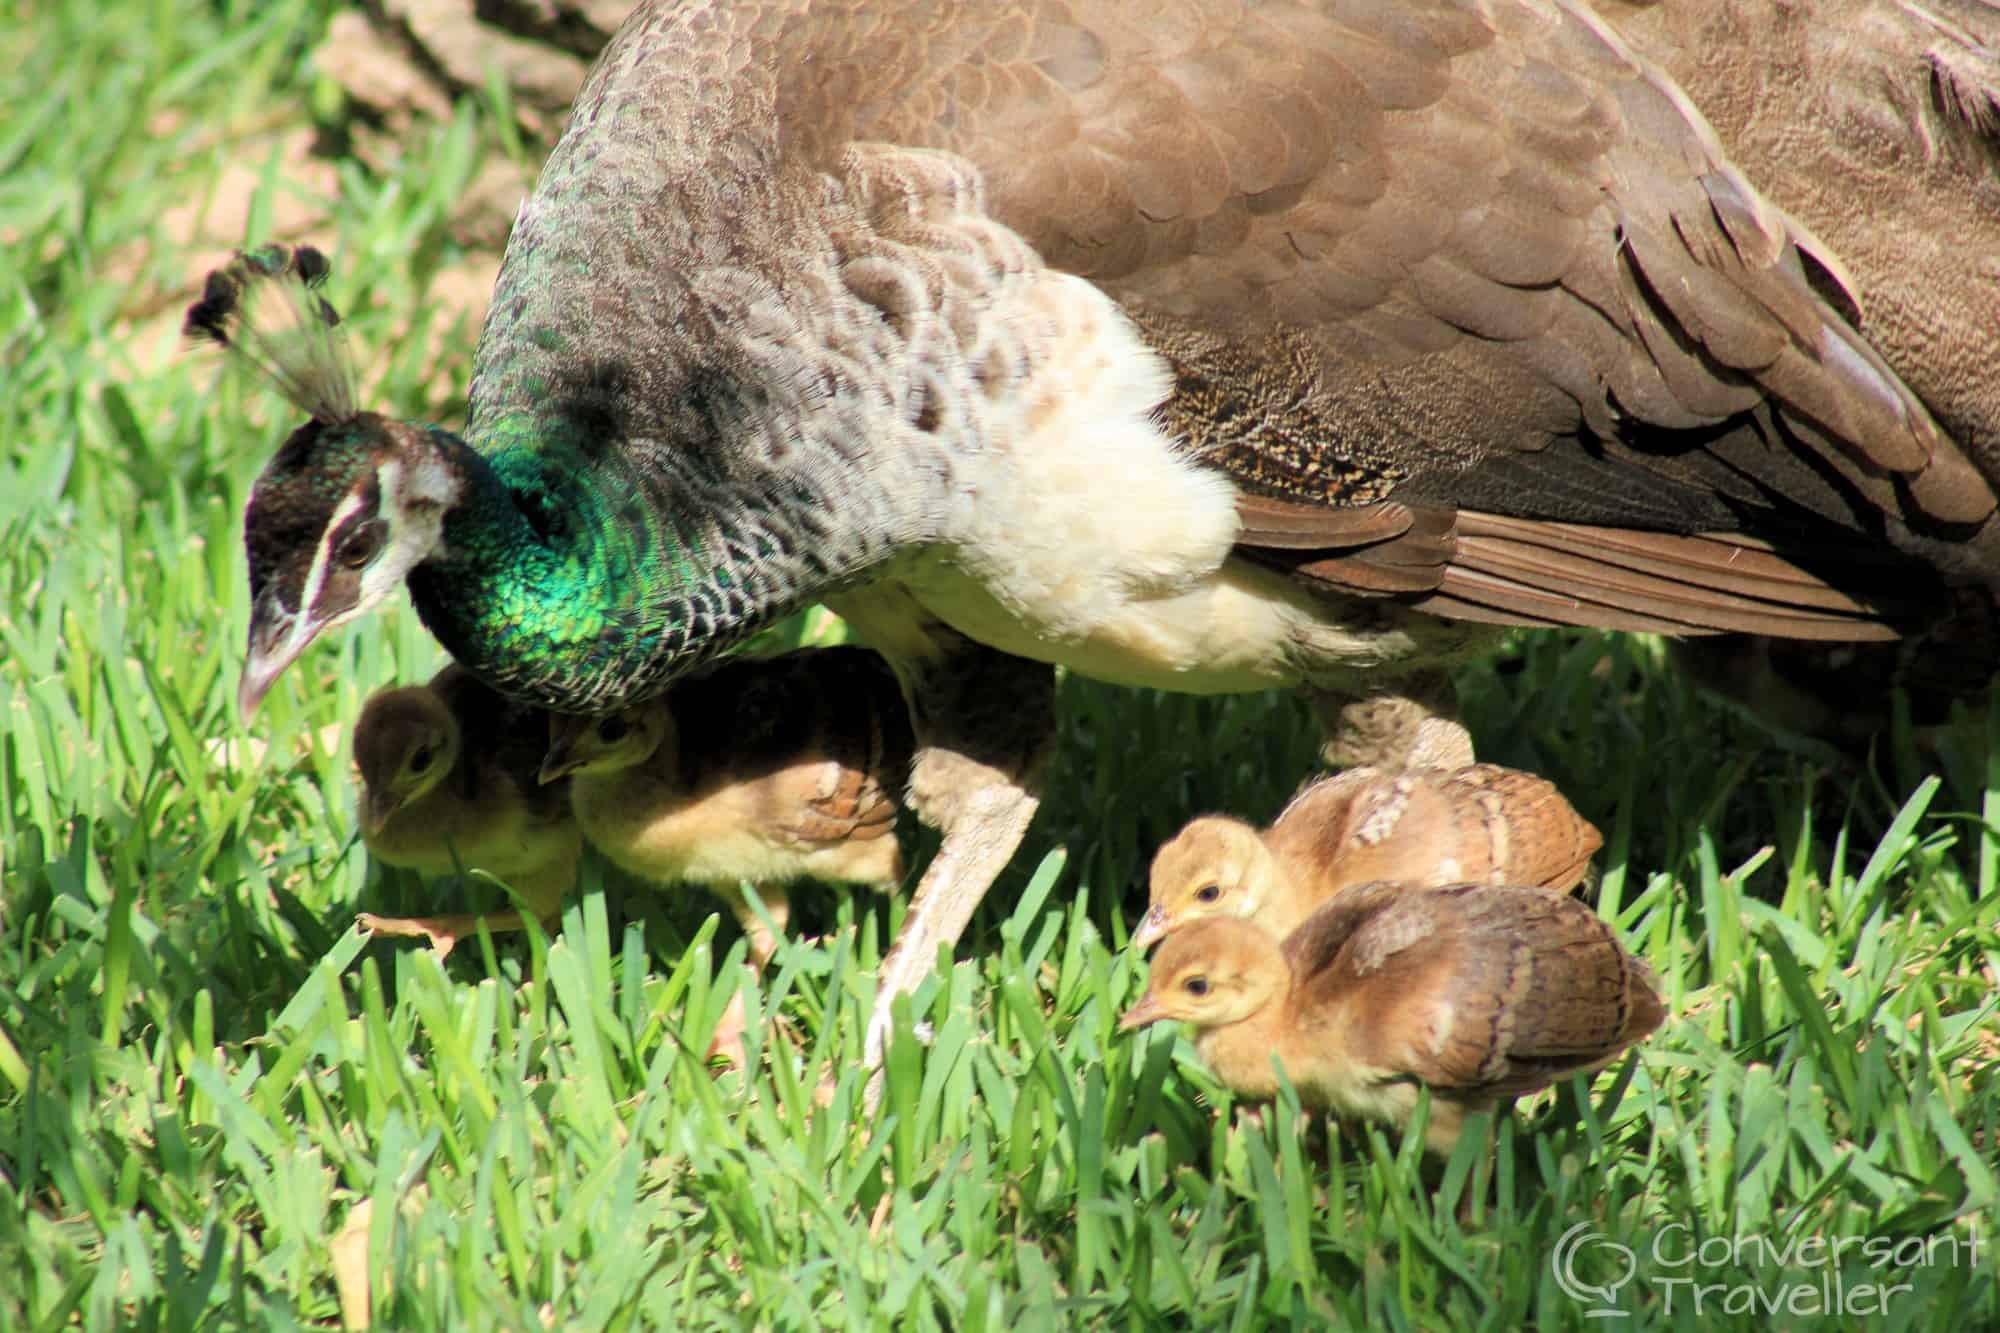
[{"x": 353, "y": 500}]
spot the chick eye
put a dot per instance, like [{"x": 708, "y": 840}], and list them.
[
  {"x": 1195, "y": 985},
  {"x": 421, "y": 760},
  {"x": 1208, "y": 893},
  {"x": 360, "y": 546},
  {"x": 613, "y": 729}
]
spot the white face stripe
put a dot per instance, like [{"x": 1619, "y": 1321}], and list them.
[
  {"x": 389, "y": 485},
  {"x": 414, "y": 532}
]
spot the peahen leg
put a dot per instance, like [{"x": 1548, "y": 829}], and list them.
[
  {"x": 985, "y": 728},
  {"x": 1409, "y": 722},
  {"x": 983, "y": 812}
]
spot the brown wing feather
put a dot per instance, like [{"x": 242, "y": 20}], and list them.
[
  {"x": 1473, "y": 256},
  {"x": 1541, "y": 989},
  {"x": 1279, "y": 525},
  {"x": 1482, "y": 566},
  {"x": 1521, "y": 829},
  {"x": 1488, "y": 991},
  {"x": 1452, "y": 235},
  {"x": 1480, "y": 824},
  {"x": 1668, "y": 579},
  {"x": 1378, "y": 548},
  {"x": 1315, "y": 950},
  {"x": 1583, "y": 998},
  {"x": 1885, "y": 139}
]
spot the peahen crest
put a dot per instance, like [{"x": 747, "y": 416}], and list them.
[{"x": 264, "y": 307}]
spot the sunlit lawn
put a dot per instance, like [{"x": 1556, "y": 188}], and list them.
[{"x": 214, "y": 1094}]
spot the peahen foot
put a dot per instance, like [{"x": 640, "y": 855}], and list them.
[{"x": 1408, "y": 722}]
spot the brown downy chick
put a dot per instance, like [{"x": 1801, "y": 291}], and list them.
[
  {"x": 449, "y": 782},
  {"x": 1482, "y": 824},
  {"x": 1479, "y": 993},
  {"x": 764, "y": 770}
]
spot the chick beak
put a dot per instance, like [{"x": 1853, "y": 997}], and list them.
[
  {"x": 377, "y": 807},
  {"x": 277, "y": 636},
  {"x": 1140, "y": 1014},
  {"x": 559, "y": 760},
  {"x": 1151, "y": 927}
]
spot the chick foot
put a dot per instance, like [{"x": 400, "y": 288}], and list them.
[{"x": 444, "y": 932}]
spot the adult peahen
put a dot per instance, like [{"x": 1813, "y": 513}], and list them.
[{"x": 1224, "y": 349}]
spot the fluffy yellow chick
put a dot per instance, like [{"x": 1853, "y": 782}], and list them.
[
  {"x": 449, "y": 782},
  {"x": 764, "y": 771},
  {"x": 1482, "y": 824},
  {"x": 1479, "y": 993}
]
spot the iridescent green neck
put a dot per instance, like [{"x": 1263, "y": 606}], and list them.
[{"x": 573, "y": 583}]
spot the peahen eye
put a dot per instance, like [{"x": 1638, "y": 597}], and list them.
[
  {"x": 360, "y": 547},
  {"x": 1208, "y": 893},
  {"x": 1195, "y": 985},
  {"x": 421, "y": 760},
  {"x": 613, "y": 729}
]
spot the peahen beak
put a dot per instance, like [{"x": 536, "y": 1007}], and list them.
[{"x": 278, "y": 635}]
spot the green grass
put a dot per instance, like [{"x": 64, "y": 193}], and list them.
[{"x": 210, "y": 1085}]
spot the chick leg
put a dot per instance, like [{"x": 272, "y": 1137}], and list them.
[
  {"x": 444, "y": 932},
  {"x": 1411, "y": 722},
  {"x": 985, "y": 728},
  {"x": 763, "y": 942},
  {"x": 542, "y": 891}
]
